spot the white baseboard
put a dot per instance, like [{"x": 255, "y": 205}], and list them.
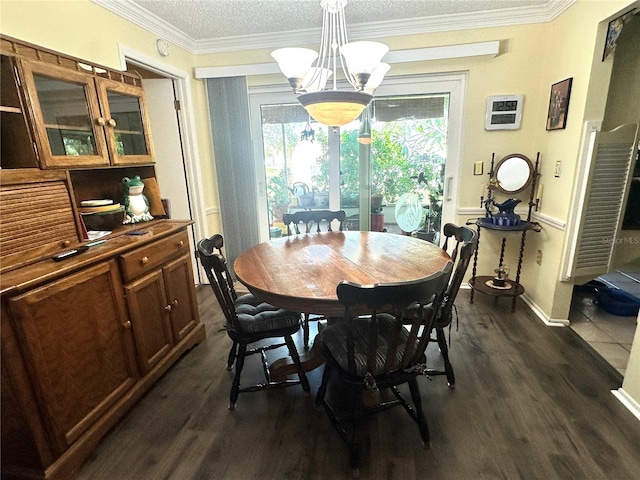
[
  {"x": 548, "y": 321},
  {"x": 632, "y": 405}
]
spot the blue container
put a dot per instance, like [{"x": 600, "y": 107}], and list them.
[
  {"x": 590, "y": 287},
  {"x": 618, "y": 302}
]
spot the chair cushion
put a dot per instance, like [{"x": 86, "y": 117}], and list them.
[
  {"x": 334, "y": 339},
  {"x": 247, "y": 298},
  {"x": 442, "y": 318},
  {"x": 255, "y": 316}
]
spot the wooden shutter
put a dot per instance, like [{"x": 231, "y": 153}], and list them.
[
  {"x": 36, "y": 217},
  {"x": 608, "y": 164}
]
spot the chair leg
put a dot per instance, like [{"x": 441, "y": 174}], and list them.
[
  {"x": 232, "y": 355},
  {"x": 323, "y": 386},
  {"x": 305, "y": 330},
  {"x": 350, "y": 438},
  {"x": 442, "y": 344},
  {"x": 296, "y": 360},
  {"x": 352, "y": 443},
  {"x": 421, "y": 419},
  {"x": 235, "y": 386}
]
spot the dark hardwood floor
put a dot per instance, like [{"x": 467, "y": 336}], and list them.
[{"x": 531, "y": 402}]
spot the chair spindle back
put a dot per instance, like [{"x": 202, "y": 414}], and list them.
[
  {"x": 385, "y": 305},
  {"x": 311, "y": 217}
]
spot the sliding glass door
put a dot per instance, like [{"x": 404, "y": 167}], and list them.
[
  {"x": 295, "y": 155},
  {"x": 395, "y": 172}
]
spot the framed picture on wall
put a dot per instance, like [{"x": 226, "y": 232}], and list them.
[
  {"x": 613, "y": 32},
  {"x": 559, "y": 105}
]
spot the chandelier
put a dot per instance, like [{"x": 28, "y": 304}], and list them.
[{"x": 360, "y": 63}]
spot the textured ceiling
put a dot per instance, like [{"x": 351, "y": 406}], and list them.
[
  {"x": 210, "y": 19},
  {"x": 210, "y": 26}
]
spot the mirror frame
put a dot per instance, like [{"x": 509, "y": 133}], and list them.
[{"x": 502, "y": 162}]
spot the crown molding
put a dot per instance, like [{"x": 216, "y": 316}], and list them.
[
  {"x": 143, "y": 18},
  {"x": 442, "y": 23}
]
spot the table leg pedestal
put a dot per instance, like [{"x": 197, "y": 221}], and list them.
[{"x": 283, "y": 367}]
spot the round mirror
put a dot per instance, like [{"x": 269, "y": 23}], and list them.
[{"x": 514, "y": 173}]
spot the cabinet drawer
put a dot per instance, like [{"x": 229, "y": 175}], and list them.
[{"x": 150, "y": 257}]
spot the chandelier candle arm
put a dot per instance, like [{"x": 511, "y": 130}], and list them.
[{"x": 316, "y": 79}]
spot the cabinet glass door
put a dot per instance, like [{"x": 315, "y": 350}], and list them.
[
  {"x": 126, "y": 126},
  {"x": 16, "y": 140},
  {"x": 67, "y": 116}
]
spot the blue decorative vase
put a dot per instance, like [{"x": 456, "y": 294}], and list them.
[{"x": 506, "y": 217}]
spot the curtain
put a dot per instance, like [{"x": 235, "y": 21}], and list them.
[{"x": 230, "y": 125}]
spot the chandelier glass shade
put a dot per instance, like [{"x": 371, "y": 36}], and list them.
[
  {"x": 364, "y": 133},
  {"x": 335, "y": 107},
  {"x": 308, "y": 71}
]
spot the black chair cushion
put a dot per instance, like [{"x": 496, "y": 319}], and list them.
[
  {"x": 255, "y": 316},
  {"x": 441, "y": 320},
  {"x": 334, "y": 339},
  {"x": 247, "y": 298}
]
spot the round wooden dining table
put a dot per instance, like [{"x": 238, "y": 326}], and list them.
[{"x": 301, "y": 272}]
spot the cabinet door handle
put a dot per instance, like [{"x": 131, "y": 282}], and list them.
[
  {"x": 127, "y": 325},
  {"x": 101, "y": 121},
  {"x": 171, "y": 305},
  {"x": 111, "y": 122},
  {"x": 144, "y": 260},
  {"x": 66, "y": 243},
  {"x": 448, "y": 187}
]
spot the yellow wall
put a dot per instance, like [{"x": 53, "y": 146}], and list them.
[
  {"x": 532, "y": 57},
  {"x": 631, "y": 383}
]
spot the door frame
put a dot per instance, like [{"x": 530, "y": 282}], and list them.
[
  {"x": 187, "y": 132},
  {"x": 455, "y": 84}
]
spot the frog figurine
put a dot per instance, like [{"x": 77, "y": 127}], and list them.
[{"x": 135, "y": 202}]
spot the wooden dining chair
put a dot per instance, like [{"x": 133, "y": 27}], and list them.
[
  {"x": 461, "y": 243},
  {"x": 216, "y": 242},
  {"x": 311, "y": 218},
  {"x": 372, "y": 349},
  {"x": 248, "y": 321}
]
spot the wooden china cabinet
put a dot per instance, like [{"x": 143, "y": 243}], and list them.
[
  {"x": 82, "y": 120},
  {"x": 82, "y": 338}
]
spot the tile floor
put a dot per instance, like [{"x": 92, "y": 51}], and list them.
[{"x": 609, "y": 335}]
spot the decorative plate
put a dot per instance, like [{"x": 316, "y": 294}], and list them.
[{"x": 96, "y": 203}]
